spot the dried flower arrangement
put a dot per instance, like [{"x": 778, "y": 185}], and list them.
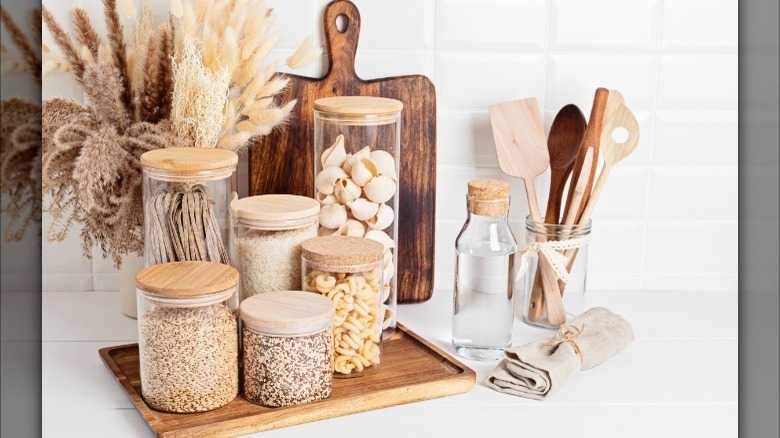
[
  {"x": 20, "y": 134},
  {"x": 164, "y": 87}
]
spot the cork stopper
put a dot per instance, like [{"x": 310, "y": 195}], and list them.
[
  {"x": 342, "y": 253},
  {"x": 287, "y": 313},
  {"x": 186, "y": 280},
  {"x": 488, "y": 197}
]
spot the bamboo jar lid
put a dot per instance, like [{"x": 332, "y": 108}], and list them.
[
  {"x": 287, "y": 313},
  {"x": 342, "y": 253},
  {"x": 358, "y": 105},
  {"x": 186, "y": 280},
  {"x": 276, "y": 211},
  {"x": 189, "y": 159},
  {"x": 488, "y": 197}
]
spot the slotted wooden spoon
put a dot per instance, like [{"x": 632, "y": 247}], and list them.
[
  {"x": 613, "y": 152},
  {"x": 522, "y": 153}
]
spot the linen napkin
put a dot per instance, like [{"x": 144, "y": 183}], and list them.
[{"x": 535, "y": 370}]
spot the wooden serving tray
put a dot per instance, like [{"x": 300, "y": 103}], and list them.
[{"x": 412, "y": 369}]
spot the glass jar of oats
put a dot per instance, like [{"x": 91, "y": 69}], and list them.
[
  {"x": 288, "y": 347},
  {"x": 348, "y": 271},
  {"x": 265, "y": 245},
  {"x": 188, "y": 335}
]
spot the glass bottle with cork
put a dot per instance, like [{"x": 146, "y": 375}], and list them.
[{"x": 484, "y": 276}]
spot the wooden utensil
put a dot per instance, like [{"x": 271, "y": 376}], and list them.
[
  {"x": 590, "y": 139},
  {"x": 535, "y": 306},
  {"x": 614, "y": 100},
  {"x": 563, "y": 144},
  {"x": 520, "y": 146},
  {"x": 613, "y": 153},
  {"x": 283, "y": 161}
]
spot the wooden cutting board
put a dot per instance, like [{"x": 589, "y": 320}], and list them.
[
  {"x": 412, "y": 369},
  {"x": 283, "y": 162}
]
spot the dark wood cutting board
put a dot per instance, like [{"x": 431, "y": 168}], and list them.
[{"x": 283, "y": 162}]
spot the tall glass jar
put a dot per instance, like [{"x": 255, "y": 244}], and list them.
[
  {"x": 484, "y": 274},
  {"x": 188, "y": 335},
  {"x": 348, "y": 270},
  {"x": 265, "y": 245},
  {"x": 187, "y": 192},
  {"x": 357, "y": 143},
  {"x": 573, "y": 291}
]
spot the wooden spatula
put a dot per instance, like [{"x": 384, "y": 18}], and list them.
[
  {"x": 613, "y": 153},
  {"x": 522, "y": 153}
]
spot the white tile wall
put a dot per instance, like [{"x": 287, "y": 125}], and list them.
[{"x": 667, "y": 220}]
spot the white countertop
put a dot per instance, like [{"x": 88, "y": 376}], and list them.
[{"x": 678, "y": 379}]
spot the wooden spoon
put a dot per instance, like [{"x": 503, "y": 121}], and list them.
[
  {"x": 613, "y": 153},
  {"x": 563, "y": 144},
  {"x": 520, "y": 146},
  {"x": 590, "y": 139}
]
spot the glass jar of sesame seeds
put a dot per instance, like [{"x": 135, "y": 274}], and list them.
[{"x": 288, "y": 347}]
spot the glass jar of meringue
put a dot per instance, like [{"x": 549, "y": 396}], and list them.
[
  {"x": 357, "y": 142},
  {"x": 348, "y": 271}
]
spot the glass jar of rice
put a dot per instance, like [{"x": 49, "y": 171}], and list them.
[{"x": 265, "y": 245}]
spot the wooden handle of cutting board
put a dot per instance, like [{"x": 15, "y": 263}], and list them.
[{"x": 342, "y": 46}]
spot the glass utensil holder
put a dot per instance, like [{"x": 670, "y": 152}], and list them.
[{"x": 573, "y": 237}]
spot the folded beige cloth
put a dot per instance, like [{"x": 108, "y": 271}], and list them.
[{"x": 535, "y": 370}]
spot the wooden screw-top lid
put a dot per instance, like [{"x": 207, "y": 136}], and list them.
[
  {"x": 287, "y": 313},
  {"x": 186, "y": 280},
  {"x": 342, "y": 253},
  {"x": 276, "y": 211},
  {"x": 189, "y": 159},
  {"x": 358, "y": 105},
  {"x": 488, "y": 197}
]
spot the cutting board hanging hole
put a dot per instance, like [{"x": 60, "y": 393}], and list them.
[{"x": 342, "y": 23}]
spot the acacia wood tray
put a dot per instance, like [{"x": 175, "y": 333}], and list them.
[{"x": 412, "y": 370}]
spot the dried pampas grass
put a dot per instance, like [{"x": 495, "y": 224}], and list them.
[
  {"x": 30, "y": 55},
  {"x": 233, "y": 36},
  {"x": 199, "y": 98}
]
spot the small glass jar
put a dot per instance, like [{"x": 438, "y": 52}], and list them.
[
  {"x": 573, "y": 291},
  {"x": 348, "y": 270},
  {"x": 187, "y": 192},
  {"x": 188, "y": 335},
  {"x": 288, "y": 348},
  {"x": 483, "y": 312},
  {"x": 265, "y": 245},
  {"x": 357, "y": 144}
]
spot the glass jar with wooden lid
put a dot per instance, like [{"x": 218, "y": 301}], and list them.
[
  {"x": 188, "y": 335},
  {"x": 357, "y": 146},
  {"x": 265, "y": 245},
  {"x": 187, "y": 192},
  {"x": 348, "y": 270},
  {"x": 288, "y": 347}
]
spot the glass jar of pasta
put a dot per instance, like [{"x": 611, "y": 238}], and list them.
[
  {"x": 348, "y": 270},
  {"x": 357, "y": 145},
  {"x": 187, "y": 192},
  {"x": 288, "y": 347},
  {"x": 188, "y": 335},
  {"x": 265, "y": 245}
]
